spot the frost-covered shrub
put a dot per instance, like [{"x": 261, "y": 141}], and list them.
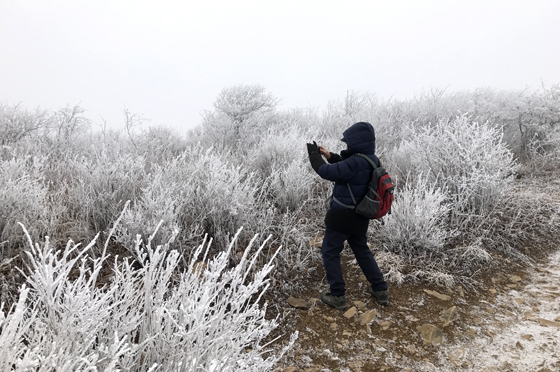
[
  {"x": 544, "y": 155},
  {"x": 94, "y": 189},
  {"x": 159, "y": 144},
  {"x": 275, "y": 150},
  {"x": 198, "y": 192},
  {"x": 393, "y": 265},
  {"x": 17, "y": 123},
  {"x": 523, "y": 114},
  {"x": 23, "y": 198},
  {"x": 281, "y": 163},
  {"x": 386, "y": 117},
  {"x": 291, "y": 185},
  {"x": 15, "y": 325},
  {"x": 418, "y": 220},
  {"x": 206, "y": 317},
  {"x": 466, "y": 158}
]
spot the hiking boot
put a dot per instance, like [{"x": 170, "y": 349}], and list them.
[
  {"x": 338, "y": 302},
  {"x": 382, "y": 297}
]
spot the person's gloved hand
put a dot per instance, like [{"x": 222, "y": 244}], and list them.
[
  {"x": 312, "y": 148},
  {"x": 314, "y": 156}
]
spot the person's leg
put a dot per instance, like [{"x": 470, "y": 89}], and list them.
[
  {"x": 367, "y": 263},
  {"x": 333, "y": 244}
]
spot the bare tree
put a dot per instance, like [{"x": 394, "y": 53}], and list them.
[{"x": 130, "y": 121}]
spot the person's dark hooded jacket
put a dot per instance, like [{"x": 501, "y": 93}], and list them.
[{"x": 347, "y": 170}]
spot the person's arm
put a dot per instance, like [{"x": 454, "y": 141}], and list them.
[
  {"x": 334, "y": 158},
  {"x": 341, "y": 171}
]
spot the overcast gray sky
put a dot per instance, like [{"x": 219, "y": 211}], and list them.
[{"x": 168, "y": 60}]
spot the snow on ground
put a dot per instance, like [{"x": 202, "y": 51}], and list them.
[{"x": 525, "y": 338}]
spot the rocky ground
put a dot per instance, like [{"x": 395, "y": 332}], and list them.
[{"x": 511, "y": 324}]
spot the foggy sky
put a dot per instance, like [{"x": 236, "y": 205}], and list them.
[{"x": 168, "y": 60}]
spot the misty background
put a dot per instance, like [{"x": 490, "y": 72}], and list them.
[{"x": 168, "y": 60}]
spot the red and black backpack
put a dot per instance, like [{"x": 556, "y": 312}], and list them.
[{"x": 379, "y": 197}]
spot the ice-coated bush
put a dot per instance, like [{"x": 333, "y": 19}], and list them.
[
  {"x": 94, "y": 189},
  {"x": 199, "y": 192},
  {"x": 523, "y": 114},
  {"x": 23, "y": 198},
  {"x": 159, "y": 144},
  {"x": 466, "y": 158},
  {"x": 291, "y": 184},
  {"x": 281, "y": 164},
  {"x": 417, "y": 224},
  {"x": 17, "y": 123},
  {"x": 275, "y": 150},
  {"x": 544, "y": 154},
  {"x": 386, "y": 118},
  {"x": 207, "y": 316}
]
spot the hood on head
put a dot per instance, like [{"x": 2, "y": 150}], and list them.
[{"x": 360, "y": 137}]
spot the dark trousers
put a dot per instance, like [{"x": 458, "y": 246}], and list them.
[{"x": 333, "y": 244}]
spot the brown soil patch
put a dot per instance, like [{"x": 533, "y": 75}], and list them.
[{"x": 392, "y": 341}]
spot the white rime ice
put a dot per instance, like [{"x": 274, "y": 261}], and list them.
[{"x": 150, "y": 316}]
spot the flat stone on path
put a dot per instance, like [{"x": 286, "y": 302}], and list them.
[
  {"x": 298, "y": 303},
  {"x": 350, "y": 312},
  {"x": 515, "y": 279},
  {"x": 411, "y": 318},
  {"x": 385, "y": 324},
  {"x": 529, "y": 315},
  {"x": 431, "y": 334},
  {"x": 358, "y": 304},
  {"x": 447, "y": 316},
  {"x": 438, "y": 295},
  {"x": 548, "y": 323},
  {"x": 368, "y": 317}
]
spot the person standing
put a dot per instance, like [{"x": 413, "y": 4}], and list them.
[{"x": 342, "y": 223}]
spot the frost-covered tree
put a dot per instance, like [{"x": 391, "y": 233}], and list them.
[
  {"x": 238, "y": 102},
  {"x": 239, "y": 111}
]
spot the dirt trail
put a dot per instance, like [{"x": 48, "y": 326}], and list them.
[
  {"x": 511, "y": 325},
  {"x": 526, "y": 335}
]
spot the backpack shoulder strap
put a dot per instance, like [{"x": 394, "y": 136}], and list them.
[{"x": 368, "y": 159}]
